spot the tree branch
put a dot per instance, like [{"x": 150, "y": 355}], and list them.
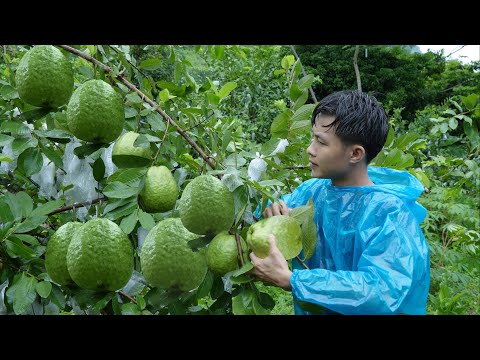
[
  {"x": 301, "y": 262},
  {"x": 77, "y": 205},
  {"x": 146, "y": 99},
  {"x": 304, "y": 73},
  {"x": 355, "y": 65}
]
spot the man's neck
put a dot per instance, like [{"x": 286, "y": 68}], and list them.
[{"x": 358, "y": 177}]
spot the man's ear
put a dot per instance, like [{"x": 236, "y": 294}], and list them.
[{"x": 357, "y": 153}]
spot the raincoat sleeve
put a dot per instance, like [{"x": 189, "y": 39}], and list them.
[{"x": 389, "y": 261}]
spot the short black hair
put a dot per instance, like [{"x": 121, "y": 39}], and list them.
[{"x": 359, "y": 118}]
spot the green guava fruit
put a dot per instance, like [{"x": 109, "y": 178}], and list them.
[
  {"x": 206, "y": 206},
  {"x": 160, "y": 192},
  {"x": 95, "y": 112},
  {"x": 168, "y": 261},
  {"x": 44, "y": 77},
  {"x": 285, "y": 228},
  {"x": 222, "y": 253},
  {"x": 126, "y": 155},
  {"x": 56, "y": 253},
  {"x": 100, "y": 256}
]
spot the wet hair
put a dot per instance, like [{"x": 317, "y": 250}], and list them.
[{"x": 359, "y": 119}]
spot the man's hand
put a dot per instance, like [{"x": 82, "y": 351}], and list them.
[
  {"x": 273, "y": 270},
  {"x": 276, "y": 208}
]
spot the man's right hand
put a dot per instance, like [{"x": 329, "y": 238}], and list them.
[{"x": 276, "y": 208}]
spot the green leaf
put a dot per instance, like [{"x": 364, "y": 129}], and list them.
[
  {"x": 453, "y": 123},
  {"x": 57, "y": 296},
  {"x": 119, "y": 190},
  {"x": 305, "y": 82},
  {"x": 390, "y": 136},
  {"x": 269, "y": 146},
  {"x": 130, "y": 309},
  {"x": 98, "y": 169},
  {"x": 141, "y": 303},
  {"x": 164, "y": 95},
  {"x": 280, "y": 124},
  {"x": 392, "y": 158},
  {"x": 45, "y": 209},
  {"x": 100, "y": 304},
  {"x": 301, "y": 127},
  {"x": 85, "y": 150},
  {"x": 15, "y": 248},
  {"x": 301, "y": 100},
  {"x": 5, "y": 213},
  {"x": 287, "y": 61},
  {"x": 470, "y": 101},
  {"x": 272, "y": 182},
  {"x": 19, "y": 145},
  {"x": 30, "y": 223},
  {"x": 146, "y": 220},
  {"x": 405, "y": 140},
  {"x": 15, "y": 128},
  {"x": 471, "y": 131},
  {"x": 242, "y": 304},
  {"x": 304, "y": 113},
  {"x": 30, "y": 161},
  {"x": 205, "y": 286},
  {"x": 151, "y": 64},
  {"x": 213, "y": 99},
  {"x": 52, "y": 155},
  {"x": 25, "y": 293},
  {"x": 122, "y": 210},
  {"x": 405, "y": 161},
  {"x": 305, "y": 217},
  {"x": 8, "y": 92},
  {"x": 25, "y": 202},
  {"x": 129, "y": 177},
  {"x": 5, "y": 140},
  {"x": 15, "y": 208},
  {"x": 443, "y": 127},
  {"x": 128, "y": 223},
  {"x": 43, "y": 289},
  {"x": 226, "y": 89}
]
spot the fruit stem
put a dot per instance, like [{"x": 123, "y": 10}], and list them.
[
  {"x": 239, "y": 249},
  {"x": 301, "y": 262}
]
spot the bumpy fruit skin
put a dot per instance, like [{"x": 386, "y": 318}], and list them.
[
  {"x": 95, "y": 112},
  {"x": 206, "y": 206},
  {"x": 160, "y": 192},
  {"x": 222, "y": 253},
  {"x": 166, "y": 259},
  {"x": 44, "y": 77},
  {"x": 56, "y": 253},
  {"x": 100, "y": 256},
  {"x": 126, "y": 155},
  {"x": 285, "y": 228}
]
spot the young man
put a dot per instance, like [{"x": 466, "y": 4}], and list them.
[{"x": 371, "y": 256}]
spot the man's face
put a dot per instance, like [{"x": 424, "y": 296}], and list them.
[{"x": 329, "y": 158}]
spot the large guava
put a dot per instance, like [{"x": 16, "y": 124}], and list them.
[
  {"x": 285, "y": 228},
  {"x": 100, "y": 256},
  {"x": 44, "y": 77},
  {"x": 56, "y": 253},
  {"x": 168, "y": 261},
  {"x": 95, "y": 112},
  {"x": 206, "y": 206},
  {"x": 126, "y": 155},
  {"x": 222, "y": 253},
  {"x": 160, "y": 192}
]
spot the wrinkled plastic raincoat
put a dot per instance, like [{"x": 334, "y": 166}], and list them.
[{"x": 371, "y": 256}]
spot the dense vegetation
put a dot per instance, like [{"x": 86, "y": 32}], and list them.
[{"x": 239, "y": 104}]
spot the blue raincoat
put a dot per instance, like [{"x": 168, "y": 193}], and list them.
[{"x": 371, "y": 256}]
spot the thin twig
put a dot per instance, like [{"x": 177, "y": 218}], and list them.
[
  {"x": 146, "y": 99},
  {"x": 76, "y": 205},
  {"x": 301, "y": 262},
  {"x": 160, "y": 146},
  {"x": 128, "y": 297},
  {"x": 239, "y": 249}
]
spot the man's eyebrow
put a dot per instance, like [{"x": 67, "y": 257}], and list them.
[{"x": 317, "y": 134}]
